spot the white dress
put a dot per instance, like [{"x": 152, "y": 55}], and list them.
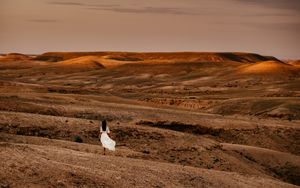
[{"x": 106, "y": 141}]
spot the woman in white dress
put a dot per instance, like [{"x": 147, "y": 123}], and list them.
[{"x": 106, "y": 141}]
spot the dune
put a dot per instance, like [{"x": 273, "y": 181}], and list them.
[{"x": 268, "y": 67}]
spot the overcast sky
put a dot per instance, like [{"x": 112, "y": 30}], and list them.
[{"x": 268, "y": 27}]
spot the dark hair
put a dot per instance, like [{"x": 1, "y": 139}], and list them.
[{"x": 104, "y": 125}]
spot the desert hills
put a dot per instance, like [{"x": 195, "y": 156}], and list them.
[
  {"x": 256, "y": 63},
  {"x": 169, "y": 56},
  {"x": 13, "y": 57},
  {"x": 270, "y": 67},
  {"x": 86, "y": 62},
  {"x": 295, "y": 62},
  {"x": 182, "y": 119}
]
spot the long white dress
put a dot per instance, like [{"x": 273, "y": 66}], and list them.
[{"x": 106, "y": 141}]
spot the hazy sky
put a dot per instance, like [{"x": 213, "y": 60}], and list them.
[{"x": 269, "y": 27}]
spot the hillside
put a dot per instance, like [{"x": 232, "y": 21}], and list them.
[
  {"x": 57, "y": 166},
  {"x": 172, "y": 56},
  {"x": 85, "y": 62},
  {"x": 179, "y": 119},
  {"x": 269, "y": 67},
  {"x": 295, "y": 63},
  {"x": 14, "y": 57}
]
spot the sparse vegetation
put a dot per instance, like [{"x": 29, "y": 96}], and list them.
[{"x": 78, "y": 139}]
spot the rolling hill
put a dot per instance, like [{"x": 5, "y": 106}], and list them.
[
  {"x": 171, "y": 56},
  {"x": 182, "y": 119},
  {"x": 269, "y": 67}
]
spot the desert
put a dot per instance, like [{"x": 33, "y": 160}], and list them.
[{"x": 180, "y": 119}]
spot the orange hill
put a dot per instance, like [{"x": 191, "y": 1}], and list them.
[
  {"x": 267, "y": 67},
  {"x": 85, "y": 62},
  {"x": 161, "y": 56},
  {"x": 295, "y": 63},
  {"x": 14, "y": 57}
]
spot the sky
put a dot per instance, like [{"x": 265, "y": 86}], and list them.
[{"x": 267, "y": 27}]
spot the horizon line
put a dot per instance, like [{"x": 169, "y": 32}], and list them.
[{"x": 117, "y": 51}]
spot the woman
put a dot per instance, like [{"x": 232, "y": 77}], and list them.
[{"x": 105, "y": 140}]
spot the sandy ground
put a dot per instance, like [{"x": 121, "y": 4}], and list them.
[{"x": 179, "y": 120}]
